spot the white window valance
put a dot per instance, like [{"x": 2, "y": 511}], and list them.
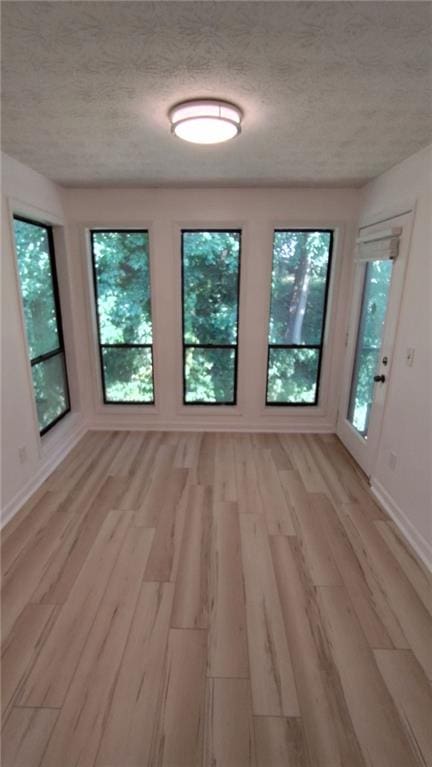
[{"x": 379, "y": 246}]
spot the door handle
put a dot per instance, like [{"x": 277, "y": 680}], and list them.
[{"x": 379, "y": 378}]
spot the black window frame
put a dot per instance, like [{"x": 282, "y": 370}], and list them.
[
  {"x": 102, "y": 346},
  {"x": 60, "y": 350},
  {"x": 320, "y": 346},
  {"x": 185, "y": 346}
]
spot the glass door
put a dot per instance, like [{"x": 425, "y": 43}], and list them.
[
  {"x": 375, "y": 293},
  {"x": 378, "y": 284}
]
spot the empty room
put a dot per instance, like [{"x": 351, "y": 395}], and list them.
[{"x": 216, "y": 507}]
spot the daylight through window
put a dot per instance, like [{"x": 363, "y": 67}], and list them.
[
  {"x": 299, "y": 290},
  {"x": 123, "y": 305},
  {"x": 39, "y": 291},
  {"x": 210, "y": 290}
]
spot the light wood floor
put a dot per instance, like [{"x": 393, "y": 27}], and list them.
[{"x": 222, "y": 600}]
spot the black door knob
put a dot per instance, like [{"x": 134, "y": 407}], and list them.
[{"x": 379, "y": 379}]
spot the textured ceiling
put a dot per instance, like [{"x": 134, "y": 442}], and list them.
[{"x": 333, "y": 93}]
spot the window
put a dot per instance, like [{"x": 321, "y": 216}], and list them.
[
  {"x": 210, "y": 291},
  {"x": 123, "y": 306},
  {"x": 299, "y": 290},
  {"x": 38, "y": 280}
]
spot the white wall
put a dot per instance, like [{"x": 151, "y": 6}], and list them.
[
  {"x": 407, "y": 427},
  {"x": 257, "y": 212},
  {"x": 29, "y": 193}
]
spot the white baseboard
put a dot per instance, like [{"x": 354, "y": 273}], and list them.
[
  {"x": 420, "y": 545},
  {"x": 46, "y": 468},
  {"x": 125, "y": 424}
]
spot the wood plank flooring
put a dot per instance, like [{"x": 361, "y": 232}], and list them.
[{"x": 212, "y": 600}]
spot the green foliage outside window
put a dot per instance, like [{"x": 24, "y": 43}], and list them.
[
  {"x": 298, "y": 293},
  {"x": 211, "y": 271},
  {"x": 37, "y": 282},
  {"x": 49, "y": 386},
  {"x": 293, "y": 375},
  {"x": 209, "y": 375},
  {"x": 37, "y": 291},
  {"x": 299, "y": 274},
  {"x": 122, "y": 275},
  {"x": 128, "y": 374}
]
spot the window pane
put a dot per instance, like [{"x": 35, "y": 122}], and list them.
[
  {"x": 299, "y": 277},
  {"x": 121, "y": 261},
  {"x": 371, "y": 327},
  {"x": 128, "y": 374},
  {"x": 49, "y": 382},
  {"x": 210, "y": 375},
  {"x": 34, "y": 267},
  {"x": 292, "y": 376},
  {"x": 122, "y": 275},
  {"x": 210, "y": 287}
]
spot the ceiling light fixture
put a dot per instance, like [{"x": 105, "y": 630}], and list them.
[{"x": 205, "y": 121}]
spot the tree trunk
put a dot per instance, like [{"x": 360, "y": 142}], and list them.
[{"x": 299, "y": 293}]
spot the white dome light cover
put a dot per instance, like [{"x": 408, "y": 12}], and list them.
[{"x": 205, "y": 121}]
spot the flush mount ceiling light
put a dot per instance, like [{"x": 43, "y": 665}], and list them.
[{"x": 205, "y": 121}]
